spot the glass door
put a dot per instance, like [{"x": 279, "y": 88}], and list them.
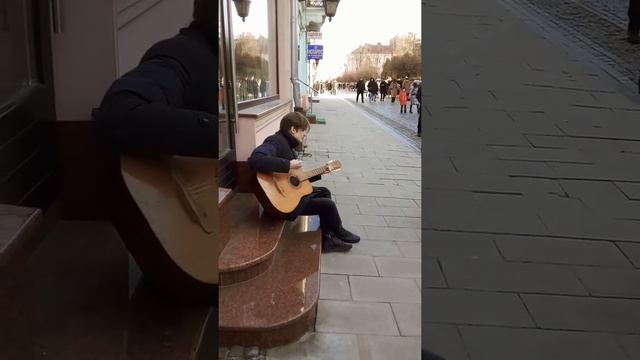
[
  {"x": 227, "y": 114},
  {"x": 27, "y": 155}
]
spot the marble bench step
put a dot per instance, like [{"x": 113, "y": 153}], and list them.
[
  {"x": 278, "y": 306},
  {"x": 252, "y": 240}
]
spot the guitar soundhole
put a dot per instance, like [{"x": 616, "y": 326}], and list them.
[{"x": 294, "y": 181}]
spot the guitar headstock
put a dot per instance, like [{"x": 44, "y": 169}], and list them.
[{"x": 334, "y": 165}]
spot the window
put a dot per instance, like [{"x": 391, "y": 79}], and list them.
[{"x": 256, "y": 52}]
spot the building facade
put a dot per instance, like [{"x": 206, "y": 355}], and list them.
[{"x": 368, "y": 56}]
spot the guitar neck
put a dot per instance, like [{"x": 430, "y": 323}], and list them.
[{"x": 311, "y": 173}]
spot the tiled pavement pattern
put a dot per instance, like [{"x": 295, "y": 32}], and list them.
[
  {"x": 369, "y": 305},
  {"x": 531, "y": 183},
  {"x": 597, "y": 26},
  {"x": 389, "y": 114}
]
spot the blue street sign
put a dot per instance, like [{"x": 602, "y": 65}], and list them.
[{"x": 314, "y": 52}]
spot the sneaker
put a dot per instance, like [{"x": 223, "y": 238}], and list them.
[
  {"x": 330, "y": 243},
  {"x": 347, "y": 236}
]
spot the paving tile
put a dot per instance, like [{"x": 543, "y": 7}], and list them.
[
  {"x": 380, "y": 210},
  {"x": 388, "y": 347},
  {"x": 432, "y": 274},
  {"x": 403, "y": 222},
  {"x": 318, "y": 346},
  {"x": 632, "y": 251},
  {"x": 533, "y": 344},
  {"x": 355, "y": 318},
  {"x": 377, "y": 248},
  {"x": 334, "y": 263},
  {"x": 412, "y": 212},
  {"x": 610, "y": 282},
  {"x": 335, "y": 287},
  {"x": 395, "y": 202},
  {"x": 351, "y": 219},
  {"x": 474, "y": 307},
  {"x": 603, "y": 198},
  {"x": 408, "y": 318},
  {"x": 631, "y": 345},
  {"x": 458, "y": 244},
  {"x": 584, "y": 313},
  {"x": 410, "y": 249},
  {"x": 517, "y": 277},
  {"x": 560, "y": 251},
  {"x": 398, "y": 267},
  {"x": 443, "y": 340},
  {"x": 460, "y": 211},
  {"x": 542, "y": 155},
  {"x": 385, "y": 233},
  {"x": 378, "y": 289},
  {"x": 630, "y": 190},
  {"x": 355, "y": 200}
]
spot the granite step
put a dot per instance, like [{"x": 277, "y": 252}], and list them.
[
  {"x": 278, "y": 306},
  {"x": 252, "y": 241}
]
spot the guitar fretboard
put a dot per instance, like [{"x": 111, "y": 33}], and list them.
[{"x": 311, "y": 173}]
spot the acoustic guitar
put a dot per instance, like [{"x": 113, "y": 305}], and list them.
[
  {"x": 280, "y": 193},
  {"x": 166, "y": 212}
]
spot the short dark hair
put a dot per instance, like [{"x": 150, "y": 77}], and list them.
[{"x": 296, "y": 120}]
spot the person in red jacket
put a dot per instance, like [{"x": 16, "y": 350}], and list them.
[{"x": 404, "y": 98}]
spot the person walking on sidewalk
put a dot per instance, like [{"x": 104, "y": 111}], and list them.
[
  {"x": 406, "y": 85},
  {"x": 419, "y": 97},
  {"x": 276, "y": 154},
  {"x": 393, "y": 90},
  {"x": 373, "y": 89},
  {"x": 633, "y": 30},
  {"x": 360, "y": 89},
  {"x": 404, "y": 98},
  {"x": 383, "y": 90},
  {"x": 413, "y": 98}
]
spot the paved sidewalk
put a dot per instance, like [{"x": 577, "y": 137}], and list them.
[
  {"x": 531, "y": 188},
  {"x": 387, "y": 109},
  {"x": 370, "y": 296}
]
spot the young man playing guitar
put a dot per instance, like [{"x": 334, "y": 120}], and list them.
[{"x": 276, "y": 154}]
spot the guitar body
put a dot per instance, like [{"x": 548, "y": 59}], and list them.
[
  {"x": 278, "y": 192},
  {"x": 165, "y": 210}
]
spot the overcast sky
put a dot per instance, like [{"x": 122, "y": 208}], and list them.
[{"x": 365, "y": 21}]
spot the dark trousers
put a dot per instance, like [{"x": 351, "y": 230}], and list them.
[
  {"x": 634, "y": 15},
  {"x": 360, "y": 93},
  {"x": 321, "y": 204},
  {"x": 419, "y": 119}
]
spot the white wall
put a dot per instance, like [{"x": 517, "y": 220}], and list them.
[
  {"x": 84, "y": 57},
  {"x": 161, "y": 20}
]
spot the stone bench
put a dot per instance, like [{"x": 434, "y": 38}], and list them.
[{"x": 270, "y": 276}]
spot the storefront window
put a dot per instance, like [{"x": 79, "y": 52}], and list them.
[{"x": 255, "y": 52}]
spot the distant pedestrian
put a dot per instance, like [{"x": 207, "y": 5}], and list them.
[
  {"x": 413, "y": 98},
  {"x": 393, "y": 90},
  {"x": 383, "y": 90},
  {"x": 372, "y": 86},
  {"x": 360, "y": 87},
  {"x": 406, "y": 84},
  {"x": 404, "y": 98},
  {"x": 633, "y": 29},
  {"x": 419, "y": 97}
]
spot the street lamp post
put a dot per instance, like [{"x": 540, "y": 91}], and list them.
[
  {"x": 242, "y": 7},
  {"x": 330, "y": 7}
]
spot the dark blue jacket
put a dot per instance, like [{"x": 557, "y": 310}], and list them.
[
  {"x": 168, "y": 104},
  {"x": 274, "y": 155}
]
